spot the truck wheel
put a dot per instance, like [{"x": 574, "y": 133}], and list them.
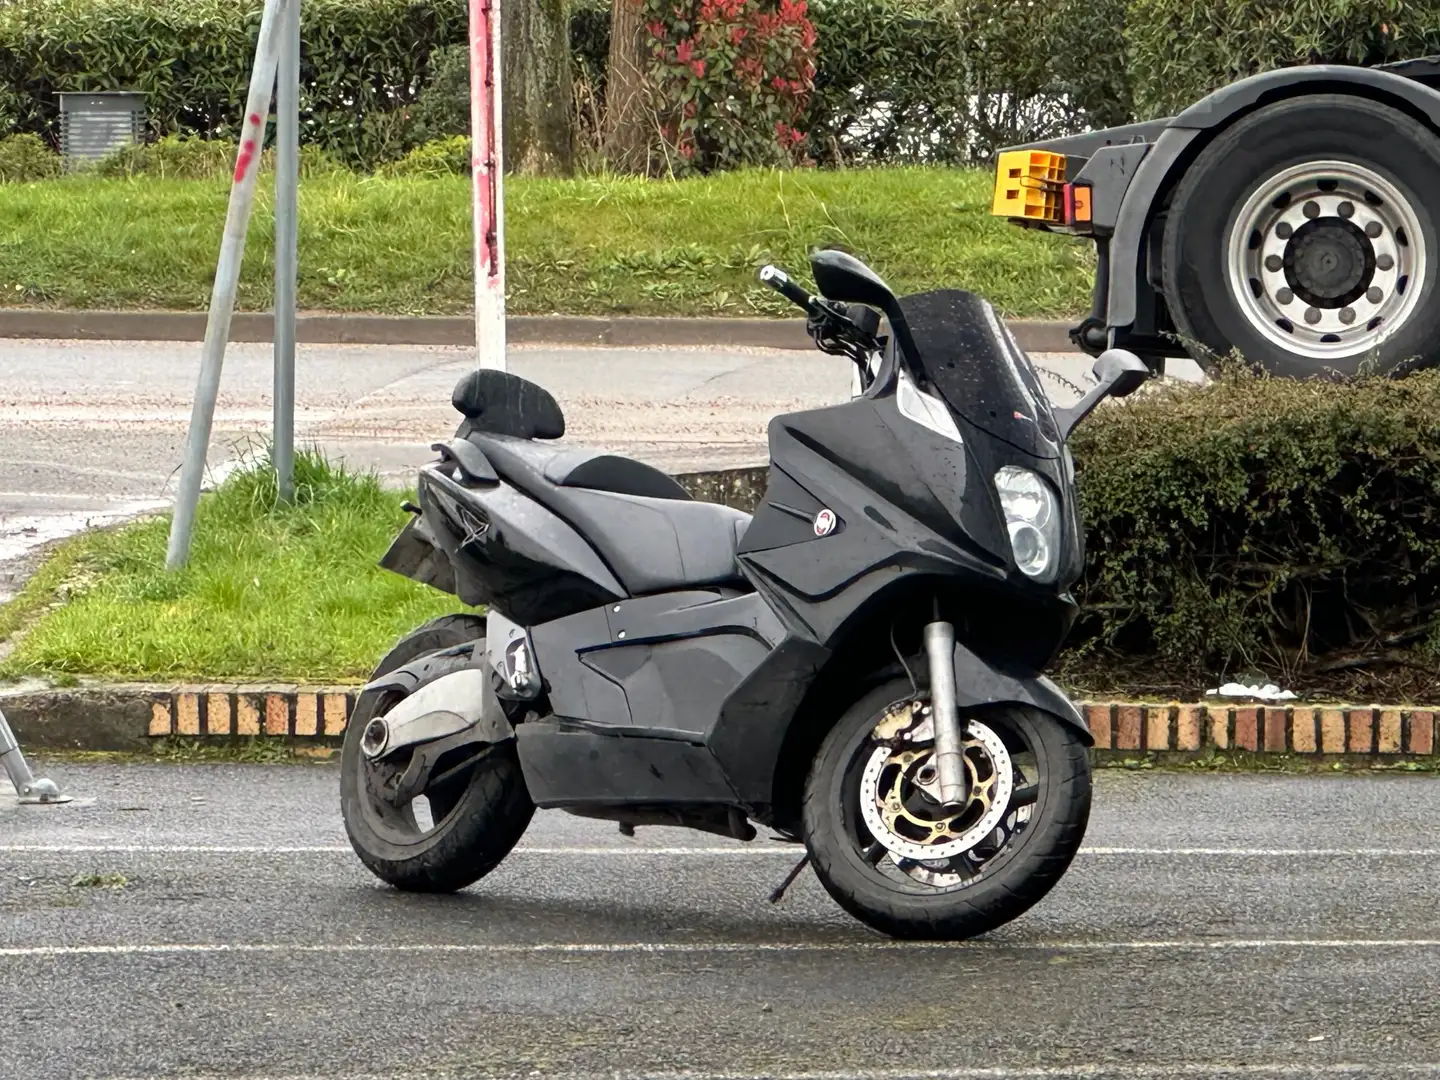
[{"x": 1299, "y": 239}]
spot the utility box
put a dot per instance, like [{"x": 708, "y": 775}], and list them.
[{"x": 93, "y": 126}]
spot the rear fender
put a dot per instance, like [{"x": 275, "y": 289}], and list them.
[{"x": 416, "y": 555}]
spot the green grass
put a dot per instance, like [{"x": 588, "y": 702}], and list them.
[
  {"x": 280, "y": 593},
  {"x": 586, "y": 246}
]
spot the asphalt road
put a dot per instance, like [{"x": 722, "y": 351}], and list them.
[
  {"x": 1213, "y": 926},
  {"x": 92, "y": 432}
]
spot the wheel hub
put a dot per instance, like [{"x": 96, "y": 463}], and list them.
[
  {"x": 1323, "y": 257},
  {"x": 899, "y": 798},
  {"x": 1329, "y": 263}
]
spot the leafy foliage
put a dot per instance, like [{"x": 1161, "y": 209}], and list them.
[
  {"x": 1223, "y": 40},
  {"x": 733, "y": 78},
  {"x": 25, "y": 159},
  {"x": 442, "y": 157},
  {"x": 363, "y": 64},
  {"x": 176, "y": 157},
  {"x": 1256, "y": 524},
  {"x": 951, "y": 81}
]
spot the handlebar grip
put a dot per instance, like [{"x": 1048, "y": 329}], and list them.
[{"x": 780, "y": 281}]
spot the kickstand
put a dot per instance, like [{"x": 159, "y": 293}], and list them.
[
  {"x": 29, "y": 788},
  {"x": 779, "y": 894}
]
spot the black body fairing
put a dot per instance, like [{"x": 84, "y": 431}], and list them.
[{"x": 673, "y": 666}]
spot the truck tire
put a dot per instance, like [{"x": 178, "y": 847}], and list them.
[{"x": 1299, "y": 238}]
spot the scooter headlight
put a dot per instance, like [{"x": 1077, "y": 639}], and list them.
[{"x": 1032, "y": 520}]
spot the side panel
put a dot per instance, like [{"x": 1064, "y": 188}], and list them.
[
  {"x": 583, "y": 768},
  {"x": 680, "y": 698}
]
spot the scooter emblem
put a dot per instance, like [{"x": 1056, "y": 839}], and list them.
[{"x": 824, "y": 523}]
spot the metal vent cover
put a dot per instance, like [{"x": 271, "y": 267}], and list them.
[{"x": 95, "y": 125}]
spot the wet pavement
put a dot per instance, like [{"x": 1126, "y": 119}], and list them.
[{"x": 210, "y": 920}]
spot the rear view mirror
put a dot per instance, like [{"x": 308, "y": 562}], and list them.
[
  {"x": 1121, "y": 371},
  {"x": 845, "y": 278}
]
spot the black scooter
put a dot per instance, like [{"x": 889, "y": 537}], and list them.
[{"x": 857, "y": 667}]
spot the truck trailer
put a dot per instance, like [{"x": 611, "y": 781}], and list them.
[{"x": 1290, "y": 217}]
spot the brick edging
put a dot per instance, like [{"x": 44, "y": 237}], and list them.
[
  {"x": 128, "y": 717},
  {"x": 1266, "y": 729}
]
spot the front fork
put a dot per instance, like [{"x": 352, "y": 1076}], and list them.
[{"x": 949, "y": 748}]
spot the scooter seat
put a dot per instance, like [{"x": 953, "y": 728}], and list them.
[{"x": 652, "y": 543}]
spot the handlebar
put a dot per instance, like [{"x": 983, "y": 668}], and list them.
[
  {"x": 780, "y": 281},
  {"x": 838, "y": 329}
]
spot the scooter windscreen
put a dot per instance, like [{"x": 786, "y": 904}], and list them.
[{"x": 975, "y": 364}]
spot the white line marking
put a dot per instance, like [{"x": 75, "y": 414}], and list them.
[
  {"x": 1036, "y": 1072},
  {"x": 683, "y": 948},
  {"x": 788, "y": 850}
]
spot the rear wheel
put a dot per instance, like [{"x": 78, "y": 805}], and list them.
[
  {"x": 462, "y": 827},
  {"x": 1299, "y": 238},
  {"x": 891, "y": 856}
]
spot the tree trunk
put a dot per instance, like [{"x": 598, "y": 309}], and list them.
[
  {"x": 627, "y": 112},
  {"x": 538, "y": 103}
]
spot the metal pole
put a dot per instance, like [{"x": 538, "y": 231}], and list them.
[
  {"x": 28, "y": 787},
  {"x": 227, "y": 277},
  {"x": 287, "y": 247},
  {"x": 488, "y": 186}
]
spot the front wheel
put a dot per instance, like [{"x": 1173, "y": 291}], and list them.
[
  {"x": 889, "y": 854},
  {"x": 465, "y": 823}
]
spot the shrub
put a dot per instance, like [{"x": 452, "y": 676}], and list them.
[
  {"x": 733, "y": 78},
  {"x": 441, "y": 157},
  {"x": 363, "y": 63},
  {"x": 1182, "y": 49},
  {"x": 1290, "y": 527},
  {"x": 443, "y": 108},
  {"x": 177, "y": 157},
  {"x": 27, "y": 158},
  {"x": 173, "y": 158}
]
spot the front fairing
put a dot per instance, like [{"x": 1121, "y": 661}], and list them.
[
  {"x": 972, "y": 361},
  {"x": 1003, "y": 417}
]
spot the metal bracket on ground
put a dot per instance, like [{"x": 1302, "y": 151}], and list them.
[{"x": 30, "y": 789}]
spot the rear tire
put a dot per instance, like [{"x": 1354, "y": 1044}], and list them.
[
  {"x": 480, "y": 817},
  {"x": 1300, "y": 238},
  {"x": 1007, "y": 883}
]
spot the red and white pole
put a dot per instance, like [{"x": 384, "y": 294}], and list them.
[{"x": 488, "y": 182}]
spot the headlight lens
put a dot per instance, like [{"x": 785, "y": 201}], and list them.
[{"x": 1032, "y": 521}]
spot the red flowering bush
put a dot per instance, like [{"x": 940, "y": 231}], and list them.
[{"x": 733, "y": 80}]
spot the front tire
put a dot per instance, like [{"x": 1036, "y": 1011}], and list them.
[
  {"x": 476, "y": 819},
  {"x": 1299, "y": 238},
  {"x": 978, "y": 884}
]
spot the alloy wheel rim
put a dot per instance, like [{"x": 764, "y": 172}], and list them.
[{"x": 1326, "y": 259}]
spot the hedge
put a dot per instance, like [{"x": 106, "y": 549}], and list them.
[
  {"x": 364, "y": 63},
  {"x": 1284, "y": 527},
  {"x": 1179, "y": 50},
  {"x": 952, "y": 80},
  {"x": 898, "y": 80}
]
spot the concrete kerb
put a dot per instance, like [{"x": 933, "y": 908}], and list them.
[{"x": 316, "y": 328}]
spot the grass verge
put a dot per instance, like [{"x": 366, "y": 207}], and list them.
[
  {"x": 585, "y": 246},
  {"x": 273, "y": 592}
]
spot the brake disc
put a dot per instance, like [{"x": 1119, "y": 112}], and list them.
[{"x": 898, "y": 794}]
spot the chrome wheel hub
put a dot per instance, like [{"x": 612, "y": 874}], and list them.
[{"x": 1326, "y": 259}]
